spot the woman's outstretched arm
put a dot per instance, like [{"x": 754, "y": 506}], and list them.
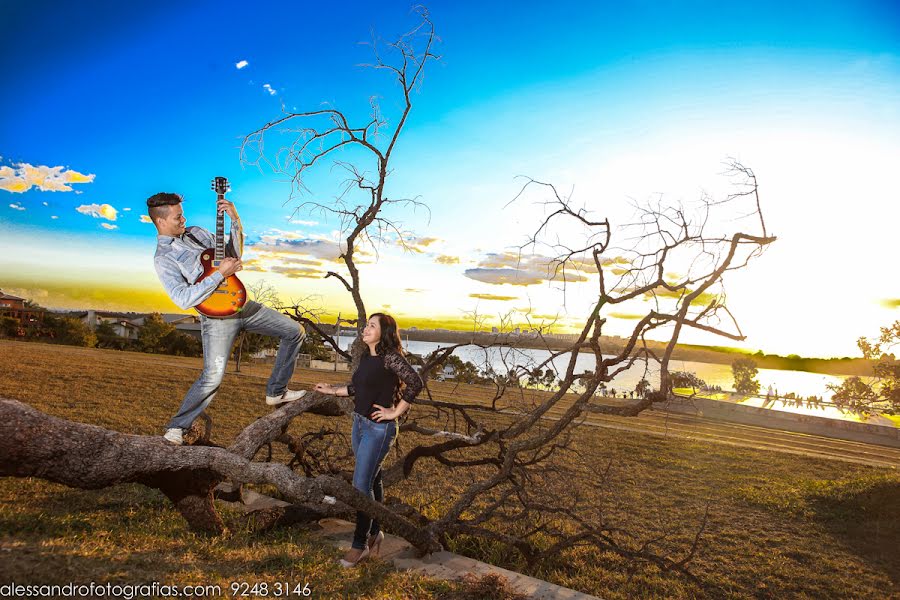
[{"x": 335, "y": 390}]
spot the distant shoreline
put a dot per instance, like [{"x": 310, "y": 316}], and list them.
[{"x": 610, "y": 345}]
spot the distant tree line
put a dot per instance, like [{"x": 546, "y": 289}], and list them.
[
  {"x": 156, "y": 336},
  {"x": 50, "y": 328},
  {"x": 882, "y": 391}
]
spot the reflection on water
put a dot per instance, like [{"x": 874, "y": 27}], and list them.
[
  {"x": 830, "y": 412},
  {"x": 801, "y": 383}
]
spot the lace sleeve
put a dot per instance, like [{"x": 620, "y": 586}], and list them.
[{"x": 406, "y": 373}]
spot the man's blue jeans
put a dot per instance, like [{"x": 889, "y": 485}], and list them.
[
  {"x": 218, "y": 337},
  {"x": 371, "y": 442}
]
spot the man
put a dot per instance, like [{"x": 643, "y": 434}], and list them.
[{"x": 177, "y": 263}]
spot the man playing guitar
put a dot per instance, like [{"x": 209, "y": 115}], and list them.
[{"x": 177, "y": 261}]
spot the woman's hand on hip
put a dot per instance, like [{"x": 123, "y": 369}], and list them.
[{"x": 380, "y": 413}]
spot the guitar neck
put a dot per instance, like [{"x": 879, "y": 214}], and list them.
[{"x": 220, "y": 231}]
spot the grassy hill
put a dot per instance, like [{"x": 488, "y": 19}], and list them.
[{"x": 779, "y": 525}]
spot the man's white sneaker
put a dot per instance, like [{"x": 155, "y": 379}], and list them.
[
  {"x": 287, "y": 396},
  {"x": 173, "y": 436}
]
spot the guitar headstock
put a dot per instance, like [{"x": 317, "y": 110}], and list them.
[{"x": 220, "y": 185}]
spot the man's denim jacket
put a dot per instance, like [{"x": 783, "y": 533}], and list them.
[{"x": 177, "y": 263}]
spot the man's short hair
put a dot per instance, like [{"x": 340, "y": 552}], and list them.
[{"x": 158, "y": 204}]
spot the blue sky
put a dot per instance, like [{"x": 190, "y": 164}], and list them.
[{"x": 616, "y": 100}]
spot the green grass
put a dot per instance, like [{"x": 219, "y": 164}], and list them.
[
  {"x": 780, "y": 526},
  {"x": 129, "y": 535}
]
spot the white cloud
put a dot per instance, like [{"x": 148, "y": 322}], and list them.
[
  {"x": 126, "y": 209},
  {"x": 493, "y": 297},
  {"x": 241, "y": 64},
  {"x": 294, "y": 221},
  {"x": 290, "y": 244},
  {"x": 515, "y": 269},
  {"x": 47, "y": 179},
  {"x": 54, "y": 217},
  {"x": 297, "y": 272},
  {"x": 108, "y": 226},
  {"x": 418, "y": 244},
  {"x": 45, "y": 203},
  {"x": 98, "y": 211},
  {"x": 146, "y": 219},
  {"x": 17, "y": 206},
  {"x": 504, "y": 276},
  {"x": 269, "y": 89},
  {"x": 295, "y": 255}
]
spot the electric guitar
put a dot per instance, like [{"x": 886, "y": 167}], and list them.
[{"x": 229, "y": 298}]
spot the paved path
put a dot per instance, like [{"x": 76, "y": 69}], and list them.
[
  {"x": 439, "y": 565},
  {"x": 448, "y": 566}
]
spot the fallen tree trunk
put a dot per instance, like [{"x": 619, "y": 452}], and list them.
[{"x": 34, "y": 444}]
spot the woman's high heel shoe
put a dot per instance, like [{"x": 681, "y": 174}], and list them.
[
  {"x": 352, "y": 563},
  {"x": 374, "y": 542}
]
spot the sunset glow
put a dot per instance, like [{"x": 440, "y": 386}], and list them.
[{"x": 614, "y": 104}]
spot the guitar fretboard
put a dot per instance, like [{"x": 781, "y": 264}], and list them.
[{"x": 220, "y": 232}]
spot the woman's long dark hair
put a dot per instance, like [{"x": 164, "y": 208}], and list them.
[
  {"x": 390, "y": 335},
  {"x": 389, "y": 342}
]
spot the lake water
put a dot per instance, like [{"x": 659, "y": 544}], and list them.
[{"x": 800, "y": 382}]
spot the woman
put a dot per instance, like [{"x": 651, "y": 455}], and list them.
[{"x": 382, "y": 377}]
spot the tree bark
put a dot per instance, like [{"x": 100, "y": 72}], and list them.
[{"x": 34, "y": 444}]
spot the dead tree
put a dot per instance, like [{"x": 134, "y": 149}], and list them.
[
  {"x": 363, "y": 201},
  {"x": 882, "y": 391},
  {"x": 465, "y": 434},
  {"x": 509, "y": 442}
]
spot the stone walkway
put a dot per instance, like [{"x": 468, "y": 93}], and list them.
[
  {"x": 446, "y": 565},
  {"x": 439, "y": 565}
]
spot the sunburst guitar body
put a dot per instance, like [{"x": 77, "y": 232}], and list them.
[{"x": 230, "y": 296}]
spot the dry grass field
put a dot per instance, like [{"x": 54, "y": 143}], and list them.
[{"x": 780, "y": 526}]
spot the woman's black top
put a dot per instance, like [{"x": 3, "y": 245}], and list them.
[{"x": 377, "y": 378}]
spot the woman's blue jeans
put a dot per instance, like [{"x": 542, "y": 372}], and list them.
[{"x": 371, "y": 442}]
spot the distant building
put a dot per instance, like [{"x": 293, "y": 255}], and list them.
[
  {"x": 10, "y": 302},
  {"x": 190, "y": 328},
  {"x": 185, "y": 323},
  {"x": 179, "y": 318},
  {"x": 170, "y": 318},
  {"x": 14, "y": 307},
  {"x": 125, "y": 325}
]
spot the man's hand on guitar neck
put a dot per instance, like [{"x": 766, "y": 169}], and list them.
[
  {"x": 229, "y": 266},
  {"x": 236, "y": 243},
  {"x": 228, "y": 208}
]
